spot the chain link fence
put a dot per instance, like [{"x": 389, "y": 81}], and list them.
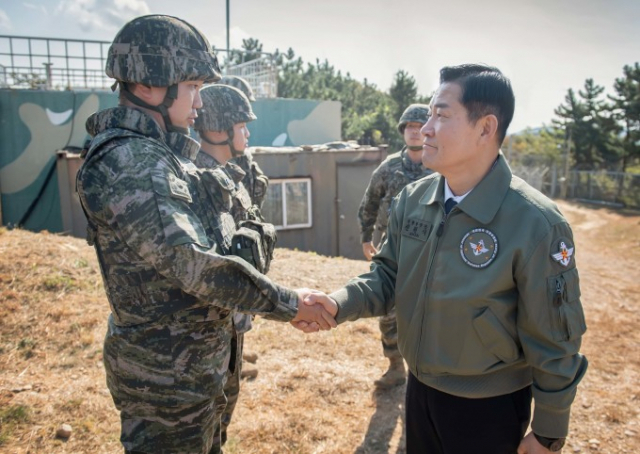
[{"x": 601, "y": 187}]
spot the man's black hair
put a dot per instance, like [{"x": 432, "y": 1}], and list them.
[{"x": 485, "y": 90}]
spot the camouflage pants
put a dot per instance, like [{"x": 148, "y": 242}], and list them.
[
  {"x": 167, "y": 381},
  {"x": 232, "y": 387},
  {"x": 389, "y": 331}
]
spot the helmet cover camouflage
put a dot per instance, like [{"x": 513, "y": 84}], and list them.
[
  {"x": 415, "y": 113},
  {"x": 239, "y": 83},
  {"x": 161, "y": 51},
  {"x": 222, "y": 107}
]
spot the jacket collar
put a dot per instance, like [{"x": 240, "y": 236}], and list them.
[
  {"x": 136, "y": 120},
  {"x": 484, "y": 201}
]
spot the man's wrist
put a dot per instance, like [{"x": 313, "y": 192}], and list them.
[{"x": 552, "y": 444}]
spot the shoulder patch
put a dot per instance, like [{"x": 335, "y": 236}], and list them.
[
  {"x": 179, "y": 188},
  {"x": 562, "y": 251},
  {"x": 479, "y": 248}
]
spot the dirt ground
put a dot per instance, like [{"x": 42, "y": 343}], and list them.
[{"x": 313, "y": 394}]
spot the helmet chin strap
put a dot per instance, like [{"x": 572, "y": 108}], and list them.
[
  {"x": 415, "y": 148},
  {"x": 229, "y": 142},
  {"x": 162, "y": 109}
]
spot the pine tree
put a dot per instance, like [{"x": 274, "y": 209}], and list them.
[
  {"x": 600, "y": 127},
  {"x": 403, "y": 91},
  {"x": 626, "y": 109}
]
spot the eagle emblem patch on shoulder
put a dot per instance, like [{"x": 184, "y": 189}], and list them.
[
  {"x": 564, "y": 254},
  {"x": 478, "y": 248}
]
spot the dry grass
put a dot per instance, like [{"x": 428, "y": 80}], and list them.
[{"x": 313, "y": 394}]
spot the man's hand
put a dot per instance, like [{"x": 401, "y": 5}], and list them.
[
  {"x": 369, "y": 250},
  {"x": 316, "y": 311},
  {"x": 529, "y": 445}
]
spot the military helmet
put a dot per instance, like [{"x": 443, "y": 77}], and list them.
[
  {"x": 239, "y": 83},
  {"x": 222, "y": 107},
  {"x": 418, "y": 113},
  {"x": 161, "y": 51}
]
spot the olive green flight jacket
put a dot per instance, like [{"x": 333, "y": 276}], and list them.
[{"x": 487, "y": 298}]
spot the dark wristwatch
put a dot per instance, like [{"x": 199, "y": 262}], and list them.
[{"x": 552, "y": 444}]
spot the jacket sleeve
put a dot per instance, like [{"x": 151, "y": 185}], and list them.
[
  {"x": 151, "y": 210},
  {"x": 550, "y": 326},
  {"x": 373, "y": 294},
  {"x": 370, "y": 205}
]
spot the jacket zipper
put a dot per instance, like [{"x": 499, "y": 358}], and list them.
[{"x": 439, "y": 233}]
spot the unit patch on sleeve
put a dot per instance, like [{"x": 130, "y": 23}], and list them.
[
  {"x": 417, "y": 228},
  {"x": 563, "y": 252},
  {"x": 478, "y": 248},
  {"x": 179, "y": 188}
]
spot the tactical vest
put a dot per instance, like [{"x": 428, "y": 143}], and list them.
[
  {"x": 234, "y": 222},
  {"x": 137, "y": 293}
]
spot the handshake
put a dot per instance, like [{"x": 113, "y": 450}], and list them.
[{"x": 316, "y": 311}]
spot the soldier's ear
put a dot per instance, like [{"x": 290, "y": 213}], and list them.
[{"x": 144, "y": 92}]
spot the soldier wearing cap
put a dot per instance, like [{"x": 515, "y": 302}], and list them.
[
  {"x": 393, "y": 174},
  {"x": 171, "y": 286}
]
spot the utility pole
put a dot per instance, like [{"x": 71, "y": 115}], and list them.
[{"x": 228, "y": 45}]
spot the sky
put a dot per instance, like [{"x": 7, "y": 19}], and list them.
[{"x": 544, "y": 46}]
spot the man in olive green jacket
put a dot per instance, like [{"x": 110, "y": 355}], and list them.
[{"x": 482, "y": 271}]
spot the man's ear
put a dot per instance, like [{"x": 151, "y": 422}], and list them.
[
  {"x": 144, "y": 92},
  {"x": 489, "y": 127}
]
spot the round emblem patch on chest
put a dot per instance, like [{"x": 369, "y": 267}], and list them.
[{"x": 478, "y": 248}]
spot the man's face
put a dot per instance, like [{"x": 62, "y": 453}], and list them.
[
  {"x": 450, "y": 141},
  {"x": 240, "y": 137},
  {"x": 183, "y": 110},
  {"x": 412, "y": 136}
]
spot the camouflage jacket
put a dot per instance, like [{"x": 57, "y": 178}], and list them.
[
  {"x": 241, "y": 204},
  {"x": 171, "y": 290},
  {"x": 254, "y": 180},
  {"x": 393, "y": 174},
  {"x": 142, "y": 197},
  {"x": 232, "y": 198}
]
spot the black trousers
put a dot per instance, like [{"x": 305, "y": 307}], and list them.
[{"x": 440, "y": 423}]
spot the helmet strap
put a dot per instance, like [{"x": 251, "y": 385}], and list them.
[
  {"x": 211, "y": 142},
  {"x": 415, "y": 148},
  {"x": 229, "y": 142},
  {"x": 231, "y": 135},
  {"x": 162, "y": 109}
]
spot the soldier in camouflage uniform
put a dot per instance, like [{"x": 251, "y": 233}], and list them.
[
  {"x": 171, "y": 289},
  {"x": 221, "y": 125},
  {"x": 255, "y": 180},
  {"x": 393, "y": 174},
  {"x": 256, "y": 183}
]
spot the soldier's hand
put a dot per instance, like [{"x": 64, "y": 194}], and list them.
[
  {"x": 369, "y": 250},
  {"x": 315, "y": 311}
]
